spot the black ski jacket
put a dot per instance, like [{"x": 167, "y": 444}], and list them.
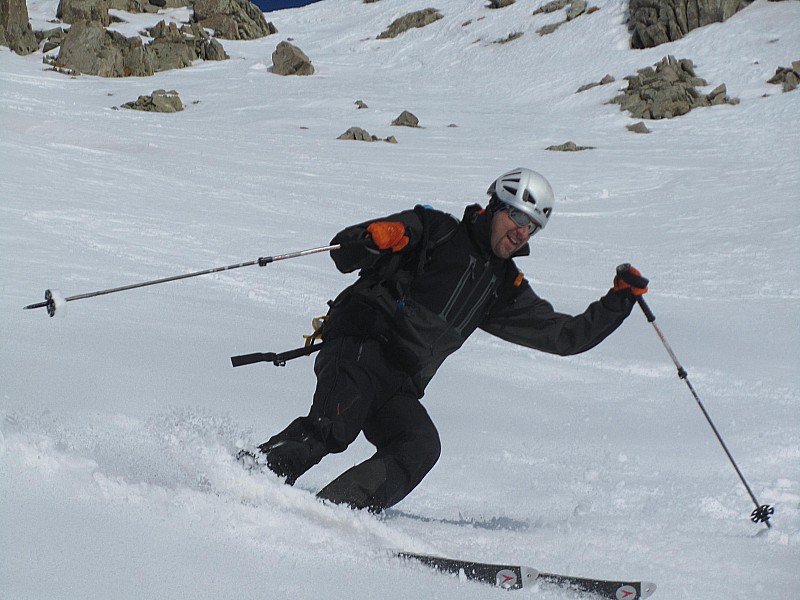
[{"x": 426, "y": 300}]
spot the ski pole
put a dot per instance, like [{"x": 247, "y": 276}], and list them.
[
  {"x": 53, "y": 299},
  {"x": 762, "y": 512}
]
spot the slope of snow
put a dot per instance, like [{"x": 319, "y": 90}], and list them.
[{"x": 119, "y": 419}]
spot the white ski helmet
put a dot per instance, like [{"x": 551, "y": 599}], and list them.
[{"x": 526, "y": 190}]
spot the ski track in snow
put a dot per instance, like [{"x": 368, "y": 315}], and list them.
[{"x": 118, "y": 422}]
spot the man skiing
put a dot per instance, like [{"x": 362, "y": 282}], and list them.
[{"x": 427, "y": 281}]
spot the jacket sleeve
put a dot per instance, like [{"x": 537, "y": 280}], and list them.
[
  {"x": 531, "y": 321},
  {"x": 350, "y": 259}
]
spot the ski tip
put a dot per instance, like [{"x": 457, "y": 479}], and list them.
[{"x": 647, "y": 589}]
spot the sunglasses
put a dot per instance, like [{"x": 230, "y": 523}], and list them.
[{"x": 522, "y": 219}]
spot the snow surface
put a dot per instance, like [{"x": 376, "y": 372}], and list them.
[{"x": 119, "y": 420}]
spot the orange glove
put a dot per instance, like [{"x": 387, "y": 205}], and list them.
[
  {"x": 388, "y": 235},
  {"x": 630, "y": 278}
]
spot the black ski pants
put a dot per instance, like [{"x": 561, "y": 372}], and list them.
[{"x": 358, "y": 389}]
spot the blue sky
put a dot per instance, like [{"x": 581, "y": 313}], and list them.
[{"x": 270, "y": 5}]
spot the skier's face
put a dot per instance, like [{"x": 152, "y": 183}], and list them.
[{"x": 507, "y": 236}]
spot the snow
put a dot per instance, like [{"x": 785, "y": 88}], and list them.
[{"x": 119, "y": 421}]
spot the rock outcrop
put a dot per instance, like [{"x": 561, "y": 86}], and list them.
[
  {"x": 655, "y": 22},
  {"x": 668, "y": 90},
  {"x": 91, "y": 49},
  {"x": 71, "y": 11},
  {"x": 15, "y": 27},
  {"x": 232, "y": 19}
]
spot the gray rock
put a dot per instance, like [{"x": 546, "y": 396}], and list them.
[
  {"x": 551, "y": 7},
  {"x": 361, "y": 104},
  {"x": 576, "y": 9},
  {"x": 232, "y": 19},
  {"x": 604, "y": 81},
  {"x": 15, "y": 27},
  {"x": 569, "y": 147},
  {"x": 406, "y": 119},
  {"x": 290, "y": 60},
  {"x": 362, "y": 135},
  {"x": 788, "y": 77},
  {"x": 500, "y": 3},
  {"x": 655, "y": 22},
  {"x": 169, "y": 50},
  {"x": 548, "y": 29},
  {"x": 358, "y": 134},
  {"x": 160, "y": 101},
  {"x": 639, "y": 127},
  {"x": 666, "y": 91},
  {"x": 52, "y": 38},
  {"x": 420, "y": 18},
  {"x": 146, "y": 6},
  {"x": 510, "y": 37},
  {"x": 212, "y": 50},
  {"x": 70, "y": 11},
  {"x": 89, "y": 48}
]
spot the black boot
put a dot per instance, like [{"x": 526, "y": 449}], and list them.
[{"x": 293, "y": 451}]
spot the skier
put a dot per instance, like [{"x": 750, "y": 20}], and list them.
[{"x": 426, "y": 282}]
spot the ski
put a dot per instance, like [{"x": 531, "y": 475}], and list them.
[{"x": 514, "y": 577}]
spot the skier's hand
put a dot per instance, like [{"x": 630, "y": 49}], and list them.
[
  {"x": 629, "y": 278},
  {"x": 388, "y": 235}
]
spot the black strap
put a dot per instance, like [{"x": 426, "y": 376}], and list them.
[{"x": 276, "y": 358}]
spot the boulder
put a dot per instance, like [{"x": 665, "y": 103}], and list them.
[
  {"x": 290, "y": 60},
  {"x": 362, "y": 135},
  {"x": 576, "y": 9},
  {"x": 358, "y": 134},
  {"x": 71, "y": 11},
  {"x": 420, "y": 18},
  {"x": 232, "y": 19},
  {"x": 90, "y": 48},
  {"x": 406, "y": 119},
  {"x": 159, "y": 101},
  {"x": 52, "y": 38},
  {"x": 551, "y": 7},
  {"x": 15, "y": 27},
  {"x": 169, "y": 49},
  {"x": 654, "y": 22},
  {"x": 569, "y": 147},
  {"x": 604, "y": 81},
  {"x": 788, "y": 77},
  {"x": 639, "y": 127}
]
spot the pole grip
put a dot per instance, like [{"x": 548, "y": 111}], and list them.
[
  {"x": 646, "y": 309},
  {"x": 249, "y": 359}
]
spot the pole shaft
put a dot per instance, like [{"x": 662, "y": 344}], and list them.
[
  {"x": 262, "y": 262},
  {"x": 684, "y": 375}
]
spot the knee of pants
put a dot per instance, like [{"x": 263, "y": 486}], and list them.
[
  {"x": 431, "y": 450},
  {"x": 415, "y": 452}
]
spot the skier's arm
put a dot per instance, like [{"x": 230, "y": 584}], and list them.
[
  {"x": 531, "y": 321},
  {"x": 364, "y": 257}
]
